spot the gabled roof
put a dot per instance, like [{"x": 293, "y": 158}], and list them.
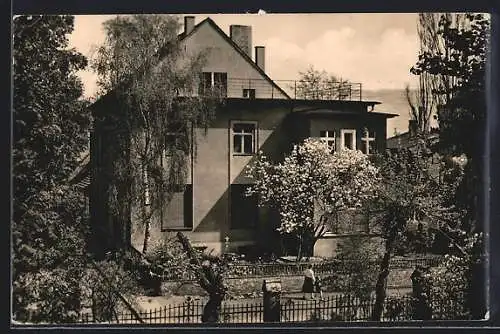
[
  {"x": 182, "y": 36},
  {"x": 214, "y": 25}
]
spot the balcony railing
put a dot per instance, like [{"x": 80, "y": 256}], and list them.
[{"x": 295, "y": 89}]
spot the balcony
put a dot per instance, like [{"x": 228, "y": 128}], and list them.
[{"x": 295, "y": 89}]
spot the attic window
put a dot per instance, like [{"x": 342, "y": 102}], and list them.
[
  {"x": 213, "y": 82},
  {"x": 249, "y": 93}
]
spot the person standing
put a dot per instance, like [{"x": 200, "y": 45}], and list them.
[{"x": 309, "y": 279}]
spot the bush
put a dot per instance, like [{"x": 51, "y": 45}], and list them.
[
  {"x": 101, "y": 288},
  {"x": 357, "y": 271},
  {"x": 48, "y": 296}
]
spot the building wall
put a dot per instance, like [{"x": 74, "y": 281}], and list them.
[
  {"x": 222, "y": 57},
  {"x": 357, "y": 123},
  {"x": 215, "y": 168}
]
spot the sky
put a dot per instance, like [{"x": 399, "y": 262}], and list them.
[{"x": 374, "y": 49}]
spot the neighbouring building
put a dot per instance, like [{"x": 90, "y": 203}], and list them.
[{"x": 259, "y": 114}]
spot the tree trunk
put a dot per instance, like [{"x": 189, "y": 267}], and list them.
[
  {"x": 147, "y": 233},
  {"x": 380, "y": 287},
  {"x": 212, "y": 309},
  {"x": 299, "y": 250}
]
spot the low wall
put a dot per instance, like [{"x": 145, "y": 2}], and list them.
[{"x": 398, "y": 278}]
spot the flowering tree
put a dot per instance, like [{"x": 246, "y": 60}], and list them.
[{"x": 310, "y": 186}]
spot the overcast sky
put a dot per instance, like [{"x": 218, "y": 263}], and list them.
[{"x": 374, "y": 49}]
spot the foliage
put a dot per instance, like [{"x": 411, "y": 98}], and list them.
[
  {"x": 358, "y": 258},
  {"x": 100, "y": 288},
  {"x": 462, "y": 116},
  {"x": 312, "y": 185},
  {"x": 462, "y": 113},
  {"x": 314, "y": 84},
  {"x": 411, "y": 197},
  {"x": 398, "y": 308},
  {"x": 451, "y": 280},
  {"x": 168, "y": 257},
  {"x": 145, "y": 66},
  {"x": 49, "y": 133},
  {"x": 48, "y": 296}
]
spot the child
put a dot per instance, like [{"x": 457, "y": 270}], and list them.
[{"x": 317, "y": 287}]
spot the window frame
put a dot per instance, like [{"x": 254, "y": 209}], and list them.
[
  {"x": 211, "y": 84},
  {"x": 343, "y": 132},
  {"x": 327, "y": 139},
  {"x": 366, "y": 140},
  {"x": 254, "y": 135},
  {"x": 249, "y": 91}
]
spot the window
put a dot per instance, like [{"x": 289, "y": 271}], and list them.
[
  {"x": 213, "y": 81},
  {"x": 244, "y": 209},
  {"x": 244, "y": 137},
  {"x": 220, "y": 83},
  {"x": 368, "y": 140},
  {"x": 348, "y": 139},
  {"x": 328, "y": 136},
  {"x": 249, "y": 93}
]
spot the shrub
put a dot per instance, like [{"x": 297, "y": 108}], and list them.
[
  {"x": 357, "y": 271},
  {"x": 101, "y": 288},
  {"x": 48, "y": 296}
]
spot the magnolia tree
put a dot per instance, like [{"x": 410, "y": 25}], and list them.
[{"x": 311, "y": 186}]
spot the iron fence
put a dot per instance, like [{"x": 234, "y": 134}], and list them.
[{"x": 332, "y": 308}]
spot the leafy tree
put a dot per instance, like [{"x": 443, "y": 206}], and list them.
[
  {"x": 462, "y": 114},
  {"x": 144, "y": 66},
  {"x": 409, "y": 196},
  {"x": 311, "y": 186},
  {"x": 315, "y": 84},
  {"x": 49, "y": 133}
]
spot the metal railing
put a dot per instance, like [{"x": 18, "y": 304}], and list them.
[{"x": 295, "y": 89}]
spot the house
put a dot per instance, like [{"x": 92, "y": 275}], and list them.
[{"x": 258, "y": 115}]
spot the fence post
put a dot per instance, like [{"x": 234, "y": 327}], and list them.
[{"x": 272, "y": 300}]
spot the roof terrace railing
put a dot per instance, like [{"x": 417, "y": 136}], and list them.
[{"x": 295, "y": 89}]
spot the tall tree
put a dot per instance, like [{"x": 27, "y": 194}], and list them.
[
  {"x": 318, "y": 85},
  {"x": 462, "y": 113},
  {"x": 143, "y": 64},
  {"x": 49, "y": 133},
  {"x": 410, "y": 197},
  {"x": 311, "y": 186}
]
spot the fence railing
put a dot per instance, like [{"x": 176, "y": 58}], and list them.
[
  {"x": 248, "y": 270},
  {"x": 331, "y": 308},
  {"x": 295, "y": 89}
]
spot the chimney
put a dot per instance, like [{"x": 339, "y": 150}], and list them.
[
  {"x": 188, "y": 24},
  {"x": 412, "y": 127},
  {"x": 260, "y": 57},
  {"x": 242, "y": 36}
]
